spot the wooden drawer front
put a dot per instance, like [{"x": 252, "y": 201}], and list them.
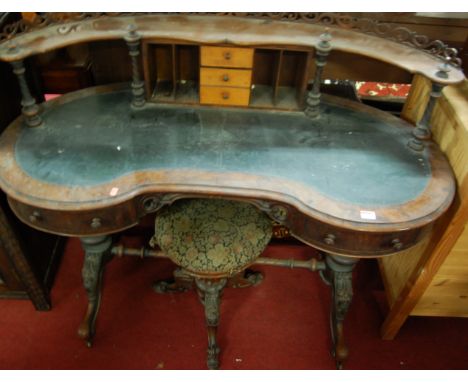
[
  {"x": 217, "y": 95},
  {"x": 225, "y": 77},
  {"x": 227, "y": 57},
  {"x": 77, "y": 223},
  {"x": 343, "y": 241}
]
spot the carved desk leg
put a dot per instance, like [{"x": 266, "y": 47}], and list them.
[
  {"x": 339, "y": 275},
  {"x": 210, "y": 290},
  {"x": 97, "y": 253}
]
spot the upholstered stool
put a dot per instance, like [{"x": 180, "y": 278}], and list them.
[{"x": 212, "y": 240}]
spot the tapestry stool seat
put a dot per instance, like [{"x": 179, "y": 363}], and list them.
[{"x": 212, "y": 240}]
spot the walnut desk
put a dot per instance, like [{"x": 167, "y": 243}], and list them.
[{"x": 347, "y": 179}]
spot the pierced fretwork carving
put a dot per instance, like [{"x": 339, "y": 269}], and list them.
[{"x": 388, "y": 31}]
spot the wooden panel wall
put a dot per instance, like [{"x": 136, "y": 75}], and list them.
[
  {"x": 419, "y": 282},
  {"x": 396, "y": 270},
  {"x": 447, "y": 294}
]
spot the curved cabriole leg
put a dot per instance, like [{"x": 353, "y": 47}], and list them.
[
  {"x": 340, "y": 278},
  {"x": 97, "y": 253},
  {"x": 210, "y": 292}
]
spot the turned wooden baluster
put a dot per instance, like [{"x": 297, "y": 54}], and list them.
[
  {"x": 133, "y": 41},
  {"x": 422, "y": 131},
  {"x": 312, "y": 109},
  {"x": 30, "y": 110}
]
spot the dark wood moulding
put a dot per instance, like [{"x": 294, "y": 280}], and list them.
[{"x": 225, "y": 30}]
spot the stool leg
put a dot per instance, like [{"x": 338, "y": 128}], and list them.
[
  {"x": 97, "y": 253},
  {"x": 340, "y": 278},
  {"x": 210, "y": 291}
]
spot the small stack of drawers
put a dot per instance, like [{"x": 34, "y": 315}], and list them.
[{"x": 225, "y": 75}]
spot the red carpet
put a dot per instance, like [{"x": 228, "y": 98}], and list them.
[{"x": 281, "y": 324}]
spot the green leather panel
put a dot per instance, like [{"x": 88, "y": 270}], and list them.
[{"x": 347, "y": 155}]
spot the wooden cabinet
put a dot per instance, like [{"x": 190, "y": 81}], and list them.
[
  {"x": 226, "y": 75},
  {"x": 432, "y": 278},
  {"x": 224, "y": 95},
  {"x": 171, "y": 72},
  {"x": 221, "y": 80},
  {"x": 28, "y": 259},
  {"x": 226, "y": 57}
]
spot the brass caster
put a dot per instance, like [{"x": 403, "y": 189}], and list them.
[{"x": 89, "y": 343}]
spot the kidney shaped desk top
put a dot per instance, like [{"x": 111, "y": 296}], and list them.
[{"x": 346, "y": 182}]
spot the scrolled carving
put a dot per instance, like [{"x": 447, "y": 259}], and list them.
[
  {"x": 343, "y": 293},
  {"x": 277, "y": 212},
  {"x": 211, "y": 290},
  {"x": 90, "y": 273},
  {"x": 150, "y": 203},
  {"x": 153, "y": 203},
  {"x": 66, "y": 29}
]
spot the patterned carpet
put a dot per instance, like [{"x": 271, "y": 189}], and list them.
[{"x": 280, "y": 324}]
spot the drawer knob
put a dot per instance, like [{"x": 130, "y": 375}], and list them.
[
  {"x": 96, "y": 223},
  {"x": 225, "y": 78},
  {"x": 329, "y": 239},
  {"x": 397, "y": 244},
  {"x": 227, "y": 55},
  {"x": 225, "y": 95},
  {"x": 34, "y": 217}
]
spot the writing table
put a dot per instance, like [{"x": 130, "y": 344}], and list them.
[{"x": 345, "y": 178}]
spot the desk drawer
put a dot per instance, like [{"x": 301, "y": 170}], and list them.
[
  {"x": 77, "y": 223},
  {"x": 225, "y": 77},
  {"x": 226, "y": 57},
  {"x": 218, "y": 95}
]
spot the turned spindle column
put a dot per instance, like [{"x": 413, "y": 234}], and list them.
[
  {"x": 422, "y": 131},
  {"x": 30, "y": 110},
  {"x": 133, "y": 41},
  {"x": 312, "y": 109}
]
